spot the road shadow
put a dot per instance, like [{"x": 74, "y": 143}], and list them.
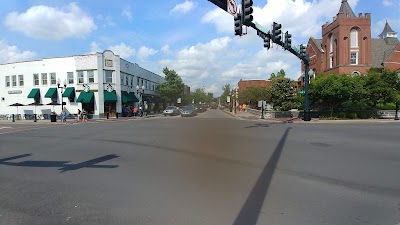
[
  {"x": 258, "y": 125},
  {"x": 251, "y": 209},
  {"x": 64, "y": 166}
]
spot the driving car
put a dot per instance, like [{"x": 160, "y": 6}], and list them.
[
  {"x": 188, "y": 111},
  {"x": 171, "y": 111}
]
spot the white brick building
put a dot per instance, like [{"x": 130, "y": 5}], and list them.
[{"x": 99, "y": 83}]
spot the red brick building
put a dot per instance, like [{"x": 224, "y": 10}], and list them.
[
  {"x": 346, "y": 46},
  {"x": 244, "y": 84}
]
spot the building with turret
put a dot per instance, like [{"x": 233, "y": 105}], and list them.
[{"x": 347, "y": 47}]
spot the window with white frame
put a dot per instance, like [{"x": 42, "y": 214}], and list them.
[
  {"x": 354, "y": 38},
  {"x": 353, "y": 58},
  {"x": 137, "y": 82},
  {"x": 90, "y": 75},
  {"x": 126, "y": 80},
  {"x": 53, "y": 78},
  {"x": 44, "y": 78},
  {"x": 14, "y": 80},
  {"x": 108, "y": 76},
  {"x": 331, "y": 51},
  {"x": 70, "y": 77},
  {"x": 81, "y": 79},
  {"x": 36, "y": 79},
  {"x": 132, "y": 77},
  {"x": 8, "y": 81},
  {"x": 21, "y": 80}
]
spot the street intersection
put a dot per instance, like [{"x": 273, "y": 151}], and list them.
[{"x": 209, "y": 169}]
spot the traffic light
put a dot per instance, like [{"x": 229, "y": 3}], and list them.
[
  {"x": 247, "y": 10},
  {"x": 288, "y": 41},
  {"x": 303, "y": 51},
  {"x": 267, "y": 42},
  {"x": 276, "y": 33},
  {"x": 238, "y": 24}
]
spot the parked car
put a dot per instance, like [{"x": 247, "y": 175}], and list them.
[
  {"x": 171, "y": 111},
  {"x": 188, "y": 111}
]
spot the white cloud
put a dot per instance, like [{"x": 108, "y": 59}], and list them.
[
  {"x": 11, "y": 53},
  {"x": 145, "y": 52},
  {"x": 300, "y": 17},
  {"x": 123, "y": 50},
  {"x": 387, "y": 2},
  {"x": 127, "y": 13},
  {"x": 94, "y": 47},
  {"x": 105, "y": 21},
  {"x": 165, "y": 49},
  {"x": 48, "y": 23},
  {"x": 222, "y": 61},
  {"x": 184, "y": 7},
  {"x": 212, "y": 89}
]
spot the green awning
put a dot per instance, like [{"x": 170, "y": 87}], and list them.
[
  {"x": 128, "y": 97},
  {"x": 69, "y": 92},
  {"x": 110, "y": 96},
  {"x": 51, "y": 93},
  {"x": 86, "y": 97},
  {"x": 35, "y": 93}
]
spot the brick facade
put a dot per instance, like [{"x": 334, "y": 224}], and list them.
[
  {"x": 244, "y": 84},
  {"x": 337, "y": 53}
]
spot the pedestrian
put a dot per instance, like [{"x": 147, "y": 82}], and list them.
[
  {"x": 79, "y": 115},
  {"x": 140, "y": 111},
  {"x": 84, "y": 117},
  {"x": 63, "y": 116},
  {"x": 135, "y": 111}
]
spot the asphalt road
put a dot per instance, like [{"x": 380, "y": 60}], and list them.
[{"x": 206, "y": 170}]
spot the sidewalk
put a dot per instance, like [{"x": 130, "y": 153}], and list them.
[
  {"x": 70, "y": 121},
  {"x": 248, "y": 116}
]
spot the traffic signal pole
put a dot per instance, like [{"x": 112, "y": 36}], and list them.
[{"x": 306, "y": 116}]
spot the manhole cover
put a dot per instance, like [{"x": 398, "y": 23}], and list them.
[{"x": 319, "y": 144}]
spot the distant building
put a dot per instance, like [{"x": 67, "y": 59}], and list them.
[
  {"x": 186, "y": 90},
  {"x": 244, "y": 84},
  {"x": 346, "y": 46},
  {"x": 100, "y": 83}
]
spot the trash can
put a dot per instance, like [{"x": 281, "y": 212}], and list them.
[{"x": 53, "y": 117}]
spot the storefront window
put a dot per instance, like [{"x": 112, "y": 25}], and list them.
[
  {"x": 90, "y": 74},
  {"x": 44, "y": 78}
]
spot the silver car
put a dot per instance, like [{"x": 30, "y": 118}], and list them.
[
  {"x": 188, "y": 111},
  {"x": 171, "y": 111}
]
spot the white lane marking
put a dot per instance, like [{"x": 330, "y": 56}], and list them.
[{"x": 5, "y": 128}]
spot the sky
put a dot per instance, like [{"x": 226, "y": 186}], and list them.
[{"x": 193, "y": 37}]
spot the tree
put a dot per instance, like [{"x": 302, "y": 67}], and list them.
[
  {"x": 380, "y": 88},
  {"x": 199, "y": 96},
  {"x": 227, "y": 92},
  {"x": 282, "y": 92},
  {"x": 252, "y": 95},
  {"x": 172, "y": 88},
  {"x": 338, "y": 91},
  {"x": 281, "y": 73}
]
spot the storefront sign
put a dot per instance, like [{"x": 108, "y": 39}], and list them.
[{"x": 14, "y": 92}]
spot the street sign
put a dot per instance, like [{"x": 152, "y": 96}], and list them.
[
  {"x": 300, "y": 92},
  {"x": 260, "y": 103},
  {"x": 228, "y": 99},
  {"x": 179, "y": 100},
  {"x": 229, "y": 6}
]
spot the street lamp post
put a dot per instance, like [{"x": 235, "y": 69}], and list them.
[
  {"x": 307, "y": 75},
  {"x": 61, "y": 87},
  {"x": 396, "y": 116},
  {"x": 262, "y": 105},
  {"x": 140, "y": 91}
]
